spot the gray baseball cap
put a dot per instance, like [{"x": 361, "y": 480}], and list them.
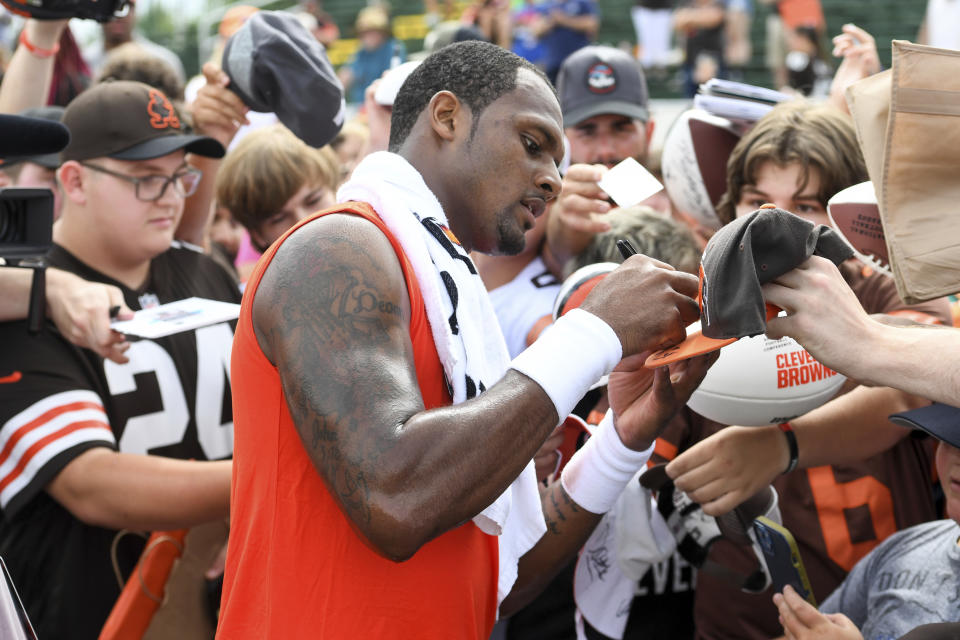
[
  {"x": 275, "y": 65},
  {"x": 740, "y": 258},
  {"x": 600, "y": 80}
]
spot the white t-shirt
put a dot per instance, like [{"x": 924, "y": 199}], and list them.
[
  {"x": 522, "y": 301},
  {"x": 943, "y": 24}
]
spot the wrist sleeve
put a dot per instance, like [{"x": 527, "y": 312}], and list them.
[{"x": 572, "y": 354}]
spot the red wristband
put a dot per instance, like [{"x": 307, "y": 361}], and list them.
[
  {"x": 791, "y": 444},
  {"x": 35, "y": 50}
]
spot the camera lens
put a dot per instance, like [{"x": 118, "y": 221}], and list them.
[{"x": 11, "y": 222}]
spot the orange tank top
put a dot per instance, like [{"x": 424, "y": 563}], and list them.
[{"x": 295, "y": 567}]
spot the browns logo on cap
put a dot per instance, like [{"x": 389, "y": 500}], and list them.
[
  {"x": 128, "y": 121},
  {"x": 162, "y": 113}
]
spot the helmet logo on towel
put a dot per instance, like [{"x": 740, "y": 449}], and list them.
[{"x": 601, "y": 78}]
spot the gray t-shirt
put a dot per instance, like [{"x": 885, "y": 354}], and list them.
[{"x": 911, "y": 578}]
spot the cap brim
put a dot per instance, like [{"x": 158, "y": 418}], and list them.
[
  {"x": 48, "y": 160},
  {"x": 942, "y": 421},
  {"x": 695, "y": 344},
  {"x": 389, "y": 87},
  {"x": 158, "y": 147},
  {"x": 618, "y": 107}
]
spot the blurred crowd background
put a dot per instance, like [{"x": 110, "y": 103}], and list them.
[{"x": 748, "y": 40}]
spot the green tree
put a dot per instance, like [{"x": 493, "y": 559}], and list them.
[{"x": 180, "y": 36}]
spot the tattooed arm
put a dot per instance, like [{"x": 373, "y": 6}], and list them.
[{"x": 332, "y": 313}]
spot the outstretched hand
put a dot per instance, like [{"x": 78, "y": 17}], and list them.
[
  {"x": 802, "y": 621},
  {"x": 823, "y": 313},
  {"x": 81, "y": 311},
  {"x": 578, "y": 213},
  {"x": 217, "y": 111},
  {"x": 722, "y": 471},
  {"x": 860, "y": 60},
  {"x": 582, "y": 204},
  {"x": 644, "y": 400}
]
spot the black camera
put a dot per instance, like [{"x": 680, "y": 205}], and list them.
[
  {"x": 26, "y": 234},
  {"x": 26, "y": 224},
  {"x": 99, "y": 10}
]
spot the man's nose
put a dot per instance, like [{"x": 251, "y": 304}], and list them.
[
  {"x": 549, "y": 181},
  {"x": 605, "y": 150}
]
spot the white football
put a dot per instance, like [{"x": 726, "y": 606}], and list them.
[
  {"x": 855, "y": 215},
  {"x": 694, "y": 163},
  {"x": 758, "y": 381}
]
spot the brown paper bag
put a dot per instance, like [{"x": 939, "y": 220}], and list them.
[
  {"x": 914, "y": 162},
  {"x": 869, "y": 101}
]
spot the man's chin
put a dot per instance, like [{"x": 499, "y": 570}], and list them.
[{"x": 510, "y": 246}]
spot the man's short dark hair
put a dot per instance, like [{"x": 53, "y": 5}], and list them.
[{"x": 478, "y": 73}]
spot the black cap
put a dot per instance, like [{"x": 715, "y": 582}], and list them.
[
  {"x": 275, "y": 65},
  {"x": 942, "y": 421},
  {"x": 21, "y": 136},
  {"x": 740, "y": 258},
  {"x": 128, "y": 121},
  {"x": 48, "y": 160},
  {"x": 600, "y": 80},
  {"x": 100, "y": 10}
]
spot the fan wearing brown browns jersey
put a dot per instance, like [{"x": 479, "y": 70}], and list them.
[
  {"x": 858, "y": 478},
  {"x": 90, "y": 447}
]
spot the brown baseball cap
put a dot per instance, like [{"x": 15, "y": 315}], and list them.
[{"x": 128, "y": 121}]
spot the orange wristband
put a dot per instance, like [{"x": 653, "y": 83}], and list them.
[{"x": 35, "y": 50}]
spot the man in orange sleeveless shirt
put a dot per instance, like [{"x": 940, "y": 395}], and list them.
[{"x": 383, "y": 445}]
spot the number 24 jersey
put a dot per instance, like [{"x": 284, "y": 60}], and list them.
[{"x": 56, "y": 401}]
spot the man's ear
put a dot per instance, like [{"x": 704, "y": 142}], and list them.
[
  {"x": 445, "y": 112},
  {"x": 73, "y": 181},
  {"x": 649, "y": 132}
]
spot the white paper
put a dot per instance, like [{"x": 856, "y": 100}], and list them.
[
  {"x": 629, "y": 183},
  {"x": 174, "y": 317},
  {"x": 732, "y": 108},
  {"x": 716, "y": 86}
]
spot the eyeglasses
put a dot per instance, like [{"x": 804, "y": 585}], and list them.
[{"x": 152, "y": 188}]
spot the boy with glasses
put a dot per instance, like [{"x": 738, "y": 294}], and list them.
[{"x": 89, "y": 447}]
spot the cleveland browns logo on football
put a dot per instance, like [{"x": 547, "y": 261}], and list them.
[{"x": 162, "y": 113}]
